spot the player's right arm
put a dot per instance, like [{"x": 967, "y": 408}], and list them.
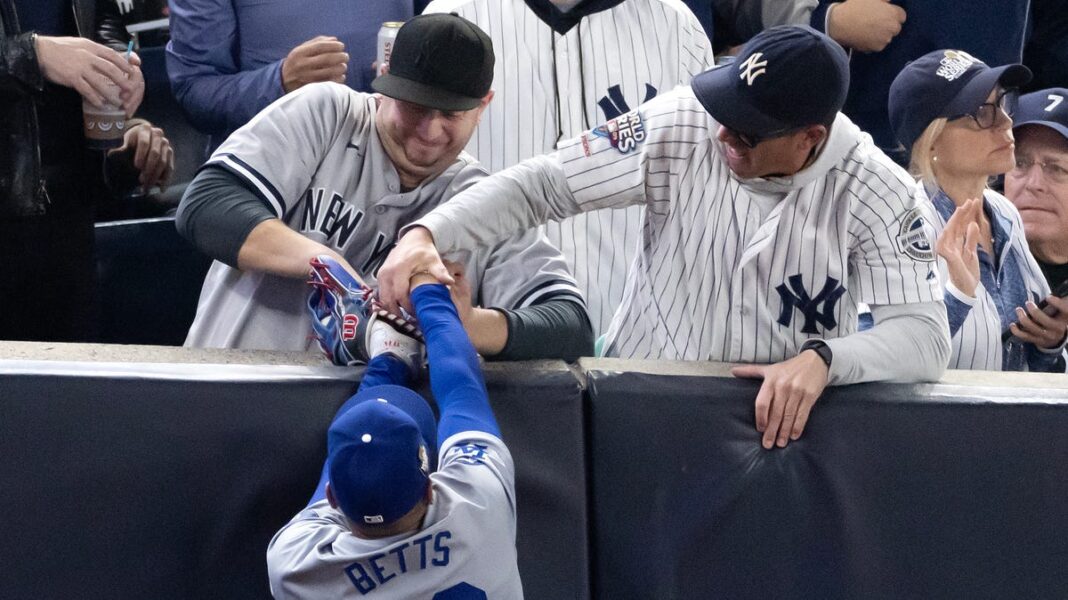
[
  {"x": 205, "y": 77},
  {"x": 470, "y": 448}
]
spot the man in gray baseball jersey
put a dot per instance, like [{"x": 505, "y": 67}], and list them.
[
  {"x": 769, "y": 217},
  {"x": 383, "y": 523},
  {"x": 326, "y": 170}
]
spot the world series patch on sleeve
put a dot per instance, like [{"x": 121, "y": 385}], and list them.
[{"x": 624, "y": 132}]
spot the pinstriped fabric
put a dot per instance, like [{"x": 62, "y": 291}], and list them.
[
  {"x": 608, "y": 64},
  {"x": 707, "y": 284},
  {"x": 729, "y": 269}
]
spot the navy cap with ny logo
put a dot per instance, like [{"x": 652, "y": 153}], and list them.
[{"x": 785, "y": 78}]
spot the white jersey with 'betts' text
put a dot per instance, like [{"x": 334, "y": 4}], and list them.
[
  {"x": 465, "y": 548},
  {"x": 730, "y": 270},
  {"x": 315, "y": 158},
  {"x": 559, "y": 74}
]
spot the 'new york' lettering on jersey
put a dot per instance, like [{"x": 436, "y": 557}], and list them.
[
  {"x": 552, "y": 81},
  {"x": 314, "y": 157}
]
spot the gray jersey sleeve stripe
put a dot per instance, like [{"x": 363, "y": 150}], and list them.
[
  {"x": 548, "y": 290},
  {"x": 259, "y": 184}
]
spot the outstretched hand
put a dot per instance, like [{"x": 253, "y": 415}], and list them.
[
  {"x": 958, "y": 244},
  {"x": 786, "y": 397},
  {"x": 414, "y": 254}
]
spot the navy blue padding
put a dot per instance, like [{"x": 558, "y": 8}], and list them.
[
  {"x": 149, "y": 279},
  {"x": 893, "y": 492},
  {"x": 120, "y": 488},
  {"x": 124, "y": 486}
]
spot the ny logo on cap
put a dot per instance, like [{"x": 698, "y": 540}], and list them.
[{"x": 752, "y": 68}]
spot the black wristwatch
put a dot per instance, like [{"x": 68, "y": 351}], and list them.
[{"x": 821, "y": 348}]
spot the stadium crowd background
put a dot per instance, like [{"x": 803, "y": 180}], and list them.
[
  {"x": 240, "y": 77},
  {"x": 193, "y": 92}
]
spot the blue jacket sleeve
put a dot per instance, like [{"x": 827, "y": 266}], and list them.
[
  {"x": 203, "y": 69},
  {"x": 455, "y": 375},
  {"x": 956, "y": 311}
]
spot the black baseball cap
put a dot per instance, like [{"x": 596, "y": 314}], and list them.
[
  {"x": 1048, "y": 108},
  {"x": 441, "y": 61},
  {"x": 944, "y": 83},
  {"x": 785, "y": 78}
]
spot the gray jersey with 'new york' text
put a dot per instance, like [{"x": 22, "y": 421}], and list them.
[{"x": 315, "y": 158}]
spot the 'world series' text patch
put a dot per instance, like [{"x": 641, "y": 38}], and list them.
[{"x": 624, "y": 132}]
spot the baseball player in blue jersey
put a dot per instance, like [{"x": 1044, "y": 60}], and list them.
[
  {"x": 769, "y": 217},
  {"x": 954, "y": 113},
  {"x": 382, "y": 522}
]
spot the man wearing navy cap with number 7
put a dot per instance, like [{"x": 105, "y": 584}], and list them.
[
  {"x": 770, "y": 216},
  {"x": 383, "y": 523},
  {"x": 1038, "y": 186}
]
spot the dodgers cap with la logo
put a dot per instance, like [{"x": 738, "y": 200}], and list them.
[
  {"x": 944, "y": 83},
  {"x": 785, "y": 78}
]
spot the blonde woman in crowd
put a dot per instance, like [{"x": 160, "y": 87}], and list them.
[{"x": 955, "y": 114}]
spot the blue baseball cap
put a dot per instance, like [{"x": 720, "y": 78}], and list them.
[
  {"x": 381, "y": 453},
  {"x": 1044, "y": 107},
  {"x": 944, "y": 83},
  {"x": 785, "y": 78}
]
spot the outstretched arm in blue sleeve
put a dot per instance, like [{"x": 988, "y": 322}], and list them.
[{"x": 455, "y": 375}]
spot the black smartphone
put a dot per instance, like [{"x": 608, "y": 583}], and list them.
[{"x": 1060, "y": 291}]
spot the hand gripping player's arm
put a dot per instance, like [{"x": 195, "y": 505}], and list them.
[{"x": 455, "y": 376}]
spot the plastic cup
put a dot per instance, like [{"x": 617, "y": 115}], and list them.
[{"x": 104, "y": 127}]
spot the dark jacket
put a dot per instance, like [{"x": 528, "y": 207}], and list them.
[{"x": 22, "y": 190}]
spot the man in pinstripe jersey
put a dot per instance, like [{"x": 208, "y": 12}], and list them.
[
  {"x": 769, "y": 217},
  {"x": 563, "y": 67}
]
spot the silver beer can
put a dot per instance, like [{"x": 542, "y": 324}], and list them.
[{"x": 386, "y": 35}]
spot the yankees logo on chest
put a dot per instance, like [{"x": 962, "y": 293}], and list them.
[
  {"x": 813, "y": 309},
  {"x": 614, "y": 104}
]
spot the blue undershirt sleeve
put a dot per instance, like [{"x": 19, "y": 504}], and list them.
[{"x": 455, "y": 375}]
